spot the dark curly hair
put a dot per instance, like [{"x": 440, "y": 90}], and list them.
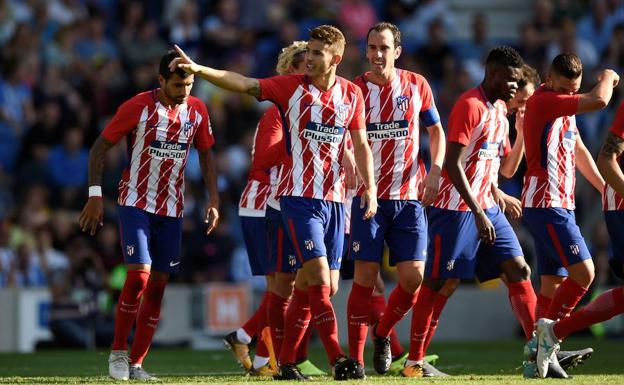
[{"x": 505, "y": 56}]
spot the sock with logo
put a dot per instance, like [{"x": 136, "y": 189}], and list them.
[
  {"x": 147, "y": 320},
  {"x": 421, "y": 319},
  {"x": 358, "y": 315},
  {"x": 543, "y": 303},
  {"x": 438, "y": 305},
  {"x": 128, "y": 306},
  {"x": 606, "y": 306},
  {"x": 296, "y": 323},
  {"x": 523, "y": 300},
  {"x": 324, "y": 320},
  {"x": 276, "y": 311},
  {"x": 567, "y": 295},
  {"x": 399, "y": 304},
  {"x": 302, "y": 351}
]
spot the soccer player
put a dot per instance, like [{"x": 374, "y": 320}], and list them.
[
  {"x": 469, "y": 235},
  {"x": 395, "y": 100},
  {"x": 267, "y": 153},
  {"x": 317, "y": 108},
  {"x": 159, "y": 125},
  {"x": 554, "y": 151}
]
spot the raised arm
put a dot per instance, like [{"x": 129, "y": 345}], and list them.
[
  {"x": 364, "y": 161},
  {"x": 209, "y": 172},
  {"x": 93, "y": 212},
  {"x": 228, "y": 80},
  {"x": 600, "y": 95},
  {"x": 454, "y": 154},
  {"x": 608, "y": 165},
  {"x": 586, "y": 165}
]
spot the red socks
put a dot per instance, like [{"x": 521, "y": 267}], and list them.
[
  {"x": 543, "y": 303},
  {"x": 128, "y": 306},
  {"x": 438, "y": 305},
  {"x": 324, "y": 319},
  {"x": 421, "y": 318},
  {"x": 276, "y": 311},
  {"x": 147, "y": 320},
  {"x": 302, "y": 351},
  {"x": 568, "y": 294},
  {"x": 523, "y": 301},
  {"x": 263, "y": 321},
  {"x": 399, "y": 303},
  {"x": 606, "y": 306},
  {"x": 296, "y": 323},
  {"x": 359, "y": 312}
]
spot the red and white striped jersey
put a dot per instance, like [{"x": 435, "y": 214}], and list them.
[
  {"x": 316, "y": 121},
  {"x": 392, "y": 128},
  {"x": 550, "y": 139},
  {"x": 267, "y": 153},
  {"x": 484, "y": 129},
  {"x": 158, "y": 141},
  {"x": 610, "y": 199}
]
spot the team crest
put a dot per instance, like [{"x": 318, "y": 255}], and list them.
[
  {"x": 402, "y": 102},
  {"x": 342, "y": 110},
  {"x": 450, "y": 265},
  {"x": 130, "y": 250},
  {"x": 575, "y": 249},
  {"x": 188, "y": 126},
  {"x": 356, "y": 246},
  {"x": 309, "y": 244},
  {"x": 292, "y": 261}
]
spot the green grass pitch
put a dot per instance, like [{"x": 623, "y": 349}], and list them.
[{"x": 494, "y": 363}]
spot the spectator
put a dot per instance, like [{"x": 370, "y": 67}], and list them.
[{"x": 67, "y": 164}]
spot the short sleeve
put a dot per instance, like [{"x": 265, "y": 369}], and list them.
[
  {"x": 278, "y": 89},
  {"x": 203, "y": 138},
  {"x": 555, "y": 104},
  {"x": 269, "y": 146},
  {"x": 617, "y": 128},
  {"x": 358, "y": 121},
  {"x": 426, "y": 95},
  {"x": 124, "y": 121},
  {"x": 465, "y": 116}
]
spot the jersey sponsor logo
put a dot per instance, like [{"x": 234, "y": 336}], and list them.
[
  {"x": 403, "y": 102},
  {"x": 398, "y": 129},
  {"x": 569, "y": 140},
  {"x": 323, "y": 133},
  {"x": 490, "y": 150},
  {"x": 167, "y": 150}
]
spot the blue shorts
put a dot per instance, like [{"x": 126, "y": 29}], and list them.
[
  {"x": 150, "y": 239},
  {"x": 315, "y": 227},
  {"x": 282, "y": 252},
  {"x": 615, "y": 225},
  {"x": 558, "y": 240},
  {"x": 455, "y": 248},
  {"x": 257, "y": 244},
  {"x": 347, "y": 266},
  {"x": 402, "y": 224}
]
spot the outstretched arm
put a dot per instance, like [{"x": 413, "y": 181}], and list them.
[
  {"x": 93, "y": 212},
  {"x": 600, "y": 95},
  {"x": 228, "y": 80}
]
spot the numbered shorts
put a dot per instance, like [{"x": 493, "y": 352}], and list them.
[
  {"x": 315, "y": 227},
  {"x": 150, "y": 239},
  {"x": 615, "y": 226},
  {"x": 558, "y": 240},
  {"x": 257, "y": 244},
  {"x": 401, "y": 224},
  {"x": 455, "y": 248},
  {"x": 281, "y": 250}
]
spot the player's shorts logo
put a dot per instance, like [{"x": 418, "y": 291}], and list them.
[
  {"x": 356, "y": 246},
  {"x": 292, "y": 261},
  {"x": 402, "y": 102},
  {"x": 575, "y": 249},
  {"x": 309, "y": 244},
  {"x": 130, "y": 250},
  {"x": 450, "y": 265}
]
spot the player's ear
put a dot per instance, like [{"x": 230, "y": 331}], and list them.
[
  {"x": 336, "y": 59},
  {"x": 162, "y": 81},
  {"x": 397, "y": 52}
]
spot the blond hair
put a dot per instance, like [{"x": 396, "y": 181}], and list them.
[
  {"x": 331, "y": 36},
  {"x": 290, "y": 56}
]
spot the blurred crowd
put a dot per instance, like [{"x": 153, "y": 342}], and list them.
[{"x": 66, "y": 65}]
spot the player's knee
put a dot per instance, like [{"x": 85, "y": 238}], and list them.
[
  {"x": 283, "y": 288},
  {"x": 449, "y": 287},
  {"x": 411, "y": 283},
  {"x": 521, "y": 272}
]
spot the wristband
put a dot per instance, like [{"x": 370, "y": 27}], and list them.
[{"x": 95, "y": 191}]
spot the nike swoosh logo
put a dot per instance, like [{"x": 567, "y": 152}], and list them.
[
  {"x": 322, "y": 314},
  {"x": 359, "y": 317},
  {"x": 128, "y": 304},
  {"x": 173, "y": 264}
]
